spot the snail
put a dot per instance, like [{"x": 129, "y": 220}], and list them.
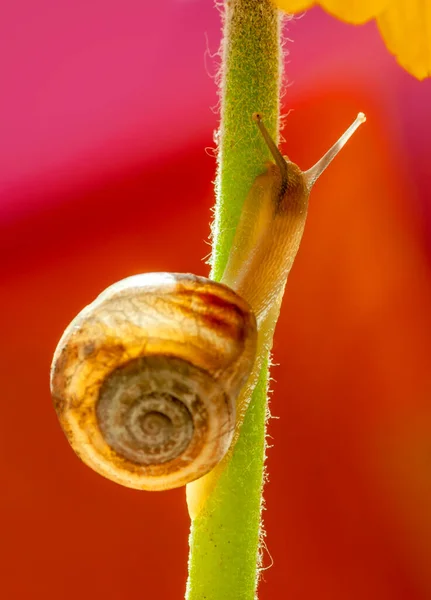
[{"x": 146, "y": 379}]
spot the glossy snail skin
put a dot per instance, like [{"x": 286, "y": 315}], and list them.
[
  {"x": 145, "y": 378},
  {"x": 267, "y": 239},
  {"x": 272, "y": 223},
  {"x": 152, "y": 380}
]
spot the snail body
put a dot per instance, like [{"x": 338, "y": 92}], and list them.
[{"x": 151, "y": 380}]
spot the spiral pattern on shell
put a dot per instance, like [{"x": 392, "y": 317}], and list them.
[{"x": 145, "y": 378}]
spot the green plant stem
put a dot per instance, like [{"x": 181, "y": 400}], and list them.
[{"x": 224, "y": 538}]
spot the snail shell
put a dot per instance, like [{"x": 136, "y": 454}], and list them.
[{"x": 145, "y": 378}]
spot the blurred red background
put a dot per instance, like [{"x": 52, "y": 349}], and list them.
[{"x": 105, "y": 114}]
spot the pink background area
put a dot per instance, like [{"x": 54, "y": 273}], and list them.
[{"x": 105, "y": 115}]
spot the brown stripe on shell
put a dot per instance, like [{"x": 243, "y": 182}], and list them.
[{"x": 216, "y": 312}]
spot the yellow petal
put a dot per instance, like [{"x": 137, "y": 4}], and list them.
[
  {"x": 294, "y": 6},
  {"x": 355, "y": 11},
  {"x": 351, "y": 11},
  {"x": 406, "y": 28},
  {"x": 405, "y": 25}
]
